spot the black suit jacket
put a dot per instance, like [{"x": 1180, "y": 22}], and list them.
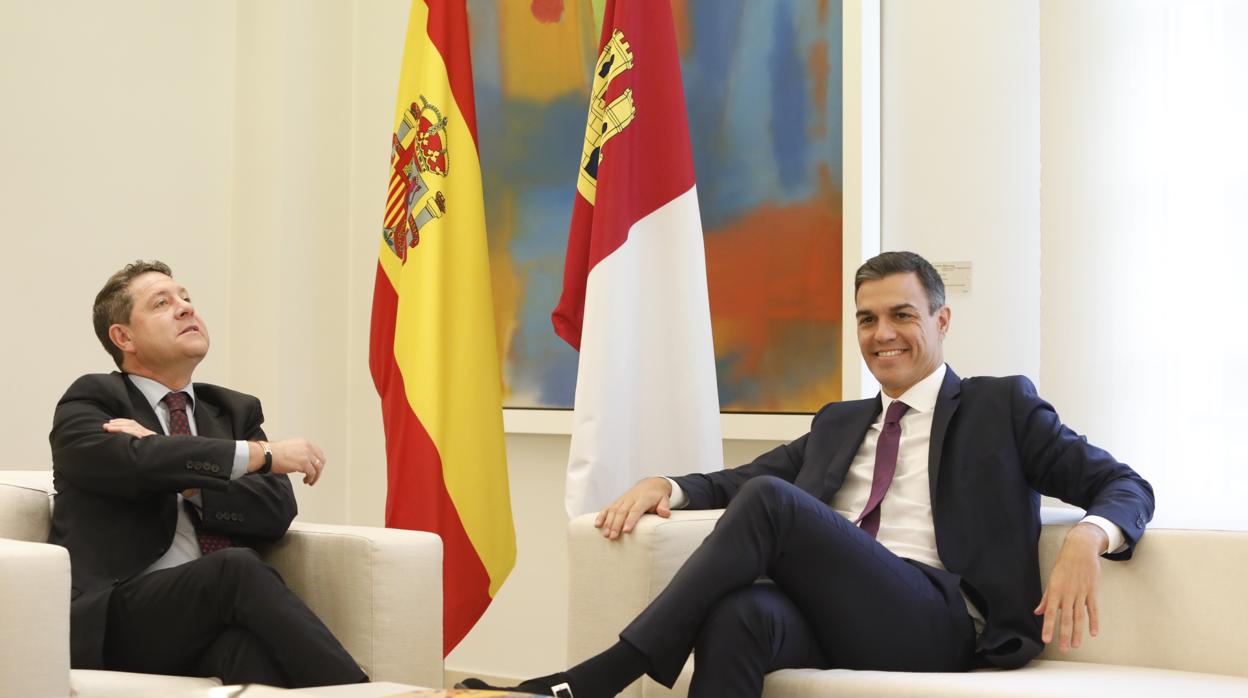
[
  {"x": 995, "y": 447},
  {"x": 115, "y": 507}
]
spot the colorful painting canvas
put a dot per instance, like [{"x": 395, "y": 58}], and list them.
[{"x": 762, "y": 85}]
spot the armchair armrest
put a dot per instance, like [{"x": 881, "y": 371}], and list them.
[
  {"x": 34, "y": 603},
  {"x": 612, "y": 581},
  {"x": 379, "y": 590}
]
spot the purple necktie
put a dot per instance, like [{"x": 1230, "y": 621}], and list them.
[
  {"x": 885, "y": 467},
  {"x": 180, "y": 425}
]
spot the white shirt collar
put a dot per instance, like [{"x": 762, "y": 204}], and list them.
[
  {"x": 921, "y": 397},
  {"x": 155, "y": 391}
]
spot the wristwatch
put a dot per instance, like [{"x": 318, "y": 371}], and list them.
[{"x": 268, "y": 457}]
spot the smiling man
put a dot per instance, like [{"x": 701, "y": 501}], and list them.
[
  {"x": 162, "y": 485},
  {"x": 899, "y": 534}
]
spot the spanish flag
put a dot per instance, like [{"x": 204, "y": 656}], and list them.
[{"x": 433, "y": 353}]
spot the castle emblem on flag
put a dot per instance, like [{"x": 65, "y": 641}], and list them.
[
  {"x": 605, "y": 120},
  {"x": 417, "y": 153}
]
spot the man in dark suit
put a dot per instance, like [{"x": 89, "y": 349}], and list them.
[
  {"x": 899, "y": 534},
  {"x": 161, "y": 487}
]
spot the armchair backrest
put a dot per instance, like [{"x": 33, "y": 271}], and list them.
[{"x": 26, "y": 504}]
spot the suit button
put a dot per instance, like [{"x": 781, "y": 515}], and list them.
[
  {"x": 219, "y": 515},
  {"x": 241, "y": 518},
  {"x": 1139, "y": 522},
  {"x": 216, "y": 469}
]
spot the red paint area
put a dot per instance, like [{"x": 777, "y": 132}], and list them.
[
  {"x": 417, "y": 498},
  {"x": 547, "y": 11},
  {"x": 643, "y": 167}
]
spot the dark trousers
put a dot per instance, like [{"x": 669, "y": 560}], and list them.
[
  {"x": 228, "y": 615},
  {"x": 832, "y": 597}
]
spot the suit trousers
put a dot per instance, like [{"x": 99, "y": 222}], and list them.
[
  {"x": 784, "y": 581},
  {"x": 228, "y": 615}
]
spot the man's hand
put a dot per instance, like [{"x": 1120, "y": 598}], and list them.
[
  {"x": 1071, "y": 595},
  {"x": 291, "y": 456},
  {"x": 127, "y": 426},
  {"x": 649, "y": 496}
]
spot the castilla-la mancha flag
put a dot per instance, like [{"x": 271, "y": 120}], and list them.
[
  {"x": 634, "y": 282},
  {"x": 433, "y": 353}
]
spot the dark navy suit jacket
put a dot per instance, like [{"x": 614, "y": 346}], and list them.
[
  {"x": 995, "y": 448},
  {"x": 116, "y": 506}
]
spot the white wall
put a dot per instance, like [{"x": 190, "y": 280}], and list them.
[
  {"x": 961, "y": 166},
  {"x": 117, "y": 143},
  {"x": 1145, "y": 208}
]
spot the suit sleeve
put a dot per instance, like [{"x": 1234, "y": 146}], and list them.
[
  {"x": 254, "y": 505},
  {"x": 121, "y": 465},
  {"x": 715, "y": 490},
  {"x": 1062, "y": 464}
]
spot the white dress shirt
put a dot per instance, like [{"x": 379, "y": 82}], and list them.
[
  {"x": 185, "y": 545},
  {"x": 906, "y": 526}
]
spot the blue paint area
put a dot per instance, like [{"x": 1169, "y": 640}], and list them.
[
  {"x": 706, "y": 69},
  {"x": 732, "y": 391},
  {"x": 790, "y": 102},
  {"x": 749, "y": 95}
]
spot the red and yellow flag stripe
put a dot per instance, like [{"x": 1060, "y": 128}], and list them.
[{"x": 433, "y": 353}]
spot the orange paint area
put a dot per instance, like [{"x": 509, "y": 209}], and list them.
[{"x": 775, "y": 284}]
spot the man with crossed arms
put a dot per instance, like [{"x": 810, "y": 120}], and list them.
[
  {"x": 161, "y": 486},
  {"x": 899, "y": 534}
]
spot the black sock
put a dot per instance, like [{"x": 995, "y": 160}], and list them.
[{"x": 607, "y": 673}]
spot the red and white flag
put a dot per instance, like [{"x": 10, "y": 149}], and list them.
[{"x": 634, "y": 283}]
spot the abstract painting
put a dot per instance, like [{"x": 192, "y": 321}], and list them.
[{"x": 762, "y": 83}]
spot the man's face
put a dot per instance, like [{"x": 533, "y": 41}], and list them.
[
  {"x": 164, "y": 331},
  {"x": 900, "y": 340}
]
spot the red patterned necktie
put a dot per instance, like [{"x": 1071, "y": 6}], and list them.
[
  {"x": 180, "y": 425},
  {"x": 885, "y": 467}
]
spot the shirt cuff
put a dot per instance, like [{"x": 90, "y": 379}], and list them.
[
  {"x": 678, "y": 500},
  {"x": 1117, "y": 541},
  {"x": 242, "y": 454}
]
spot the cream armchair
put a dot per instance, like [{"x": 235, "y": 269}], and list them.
[
  {"x": 379, "y": 591},
  {"x": 1173, "y": 618}
]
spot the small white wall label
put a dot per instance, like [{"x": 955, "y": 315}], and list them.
[{"x": 956, "y": 275}]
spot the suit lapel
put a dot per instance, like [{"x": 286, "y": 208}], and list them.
[
  {"x": 848, "y": 439},
  {"x": 208, "y": 419},
  {"x": 946, "y": 406}
]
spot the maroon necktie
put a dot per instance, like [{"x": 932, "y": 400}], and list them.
[
  {"x": 179, "y": 425},
  {"x": 885, "y": 467}
]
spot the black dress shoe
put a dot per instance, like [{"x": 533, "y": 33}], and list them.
[{"x": 553, "y": 685}]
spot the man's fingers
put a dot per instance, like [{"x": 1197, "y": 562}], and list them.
[
  {"x": 614, "y": 520},
  {"x": 1094, "y": 621},
  {"x": 1050, "y": 619},
  {"x": 1065, "y": 624},
  {"x": 1076, "y": 630},
  {"x": 634, "y": 513},
  {"x": 664, "y": 507}
]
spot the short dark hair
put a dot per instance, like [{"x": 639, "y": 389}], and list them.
[
  {"x": 889, "y": 263},
  {"x": 114, "y": 303}
]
